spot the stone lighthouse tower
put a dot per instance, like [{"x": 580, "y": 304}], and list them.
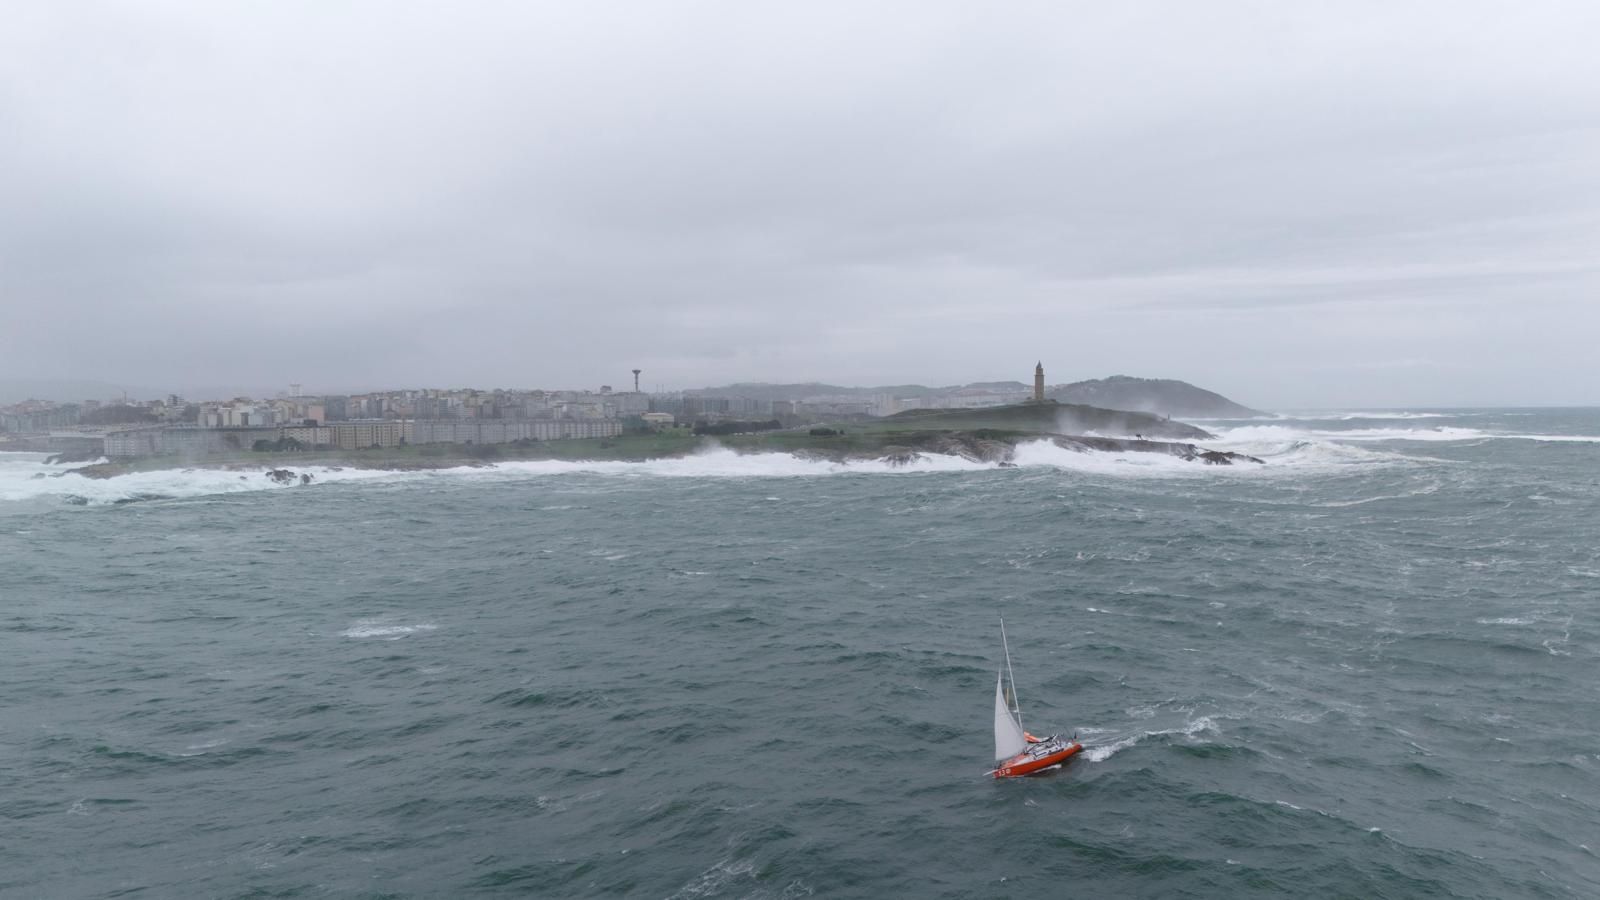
[{"x": 1038, "y": 382}]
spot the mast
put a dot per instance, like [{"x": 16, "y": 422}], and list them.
[{"x": 1015, "y": 706}]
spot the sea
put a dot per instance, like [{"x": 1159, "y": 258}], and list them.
[{"x": 1367, "y": 668}]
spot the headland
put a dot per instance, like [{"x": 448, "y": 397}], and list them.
[{"x": 989, "y": 435}]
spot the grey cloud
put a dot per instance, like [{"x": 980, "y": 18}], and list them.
[{"x": 1267, "y": 199}]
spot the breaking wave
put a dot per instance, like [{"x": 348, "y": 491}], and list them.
[
  {"x": 1437, "y": 433},
  {"x": 374, "y": 629},
  {"x": 1375, "y": 414},
  {"x": 1251, "y": 433},
  {"x": 1099, "y": 748},
  {"x": 1289, "y": 444},
  {"x": 31, "y": 480},
  {"x": 724, "y": 463},
  {"x": 1280, "y": 457}
]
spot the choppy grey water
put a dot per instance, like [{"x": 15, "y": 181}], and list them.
[{"x": 1367, "y": 669}]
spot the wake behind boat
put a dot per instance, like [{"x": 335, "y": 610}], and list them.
[{"x": 1017, "y": 752}]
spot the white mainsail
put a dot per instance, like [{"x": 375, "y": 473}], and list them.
[{"x": 1008, "y": 736}]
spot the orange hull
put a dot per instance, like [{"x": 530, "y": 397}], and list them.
[{"x": 1025, "y": 763}]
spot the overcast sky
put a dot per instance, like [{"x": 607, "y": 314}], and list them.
[{"x": 1348, "y": 204}]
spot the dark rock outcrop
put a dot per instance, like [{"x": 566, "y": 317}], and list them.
[
  {"x": 899, "y": 456},
  {"x": 1049, "y": 417},
  {"x": 87, "y": 453},
  {"x": 1188, "y": 452},
  {"x": 909, "y": 447}
]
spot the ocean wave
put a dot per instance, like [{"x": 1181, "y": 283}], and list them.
[
  {"x": 1312, "y": 454},
  {"x": 368, "y": 629},
  {"x": 724, "y": 463},
  {"x": 1280, "y": 456},
  {"x": 35, "y": 481},
  {"x": 1553, "y": 438},
  {"x": 25, "y": 477},
  {"x": 1437, "y": 433},
  {"x": 1293, "y": 433},
  {"x": 1351, "y": 415},
  {"x": 1111, "y": 746},
  {"x": 1047, "y": 454}
]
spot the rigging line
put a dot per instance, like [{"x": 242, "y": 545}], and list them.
[{"x": 1015, "y": 706}]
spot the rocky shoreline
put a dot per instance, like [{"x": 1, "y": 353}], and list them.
[
  {"x": 894, "y": 448},
  {"x": 1002, "y": 451}
]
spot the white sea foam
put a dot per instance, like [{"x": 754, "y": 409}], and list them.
[
  {"x": 32, "y": 479},
  {"x": 1554, "y": 438},
  {"x": 1282, "y": 433},
  {"x": 369, "y": 629},
  {"x": 715, "y": 880},
  {"x": 1279, "y": 433},
  {"x": 724, "y": 463},
  {"x": 1045, "y": 453},
  {"x": 203, "y": 747},
  {"x": 1279, "y": 456},
  {"x": 1103, "y": 752},
  {"x": 1349, "y": 415},
  {"x": 18, "y": 481},
  {"x": 1286, "y": 448},
  {"x": 25, "y": 476},
  {"x": 1396, "y": 415}
]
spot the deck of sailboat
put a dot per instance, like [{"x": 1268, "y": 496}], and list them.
[{"x": 1015, "y": 751}]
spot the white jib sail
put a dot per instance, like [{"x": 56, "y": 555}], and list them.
[{"x": 1008, "y": 738}]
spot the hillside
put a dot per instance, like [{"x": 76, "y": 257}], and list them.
[
  {"x": 1162, "y": 396},
  {"x": 1047, "y": 418}
]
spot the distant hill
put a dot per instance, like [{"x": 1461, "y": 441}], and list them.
[
  {"x": 1161, "y": 396},
  {"x": 764, "y": 391},
  {"x": 1004, "y": 386}
]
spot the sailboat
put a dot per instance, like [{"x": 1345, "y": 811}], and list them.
[{"x": 1017, "y": 752}]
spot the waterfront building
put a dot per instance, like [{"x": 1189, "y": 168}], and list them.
[
  {"x": 504, "y": 431},
  {"x": 629, "y": 404},
  {"x": 133, "y": 443}
]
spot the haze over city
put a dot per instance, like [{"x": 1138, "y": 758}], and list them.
[{"x": 373, "y": 195}]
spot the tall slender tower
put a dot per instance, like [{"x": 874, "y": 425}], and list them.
[
  {"x": 1038, "y": 382},
  {"x": 636, "y": 380}
]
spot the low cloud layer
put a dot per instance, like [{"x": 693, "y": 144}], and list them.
[{"x": 1297, "y": 206}]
